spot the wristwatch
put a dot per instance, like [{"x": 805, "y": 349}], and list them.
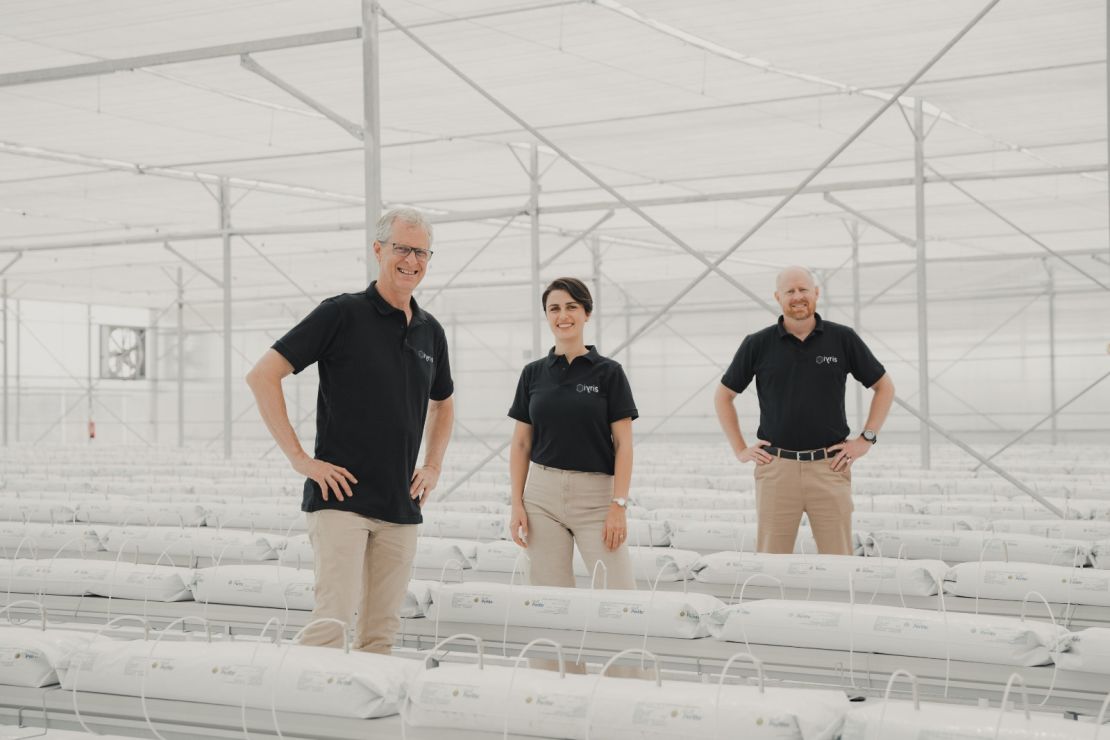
[
  {"x": 870, "y": 436},
  {"x": 621, "y": 502}
]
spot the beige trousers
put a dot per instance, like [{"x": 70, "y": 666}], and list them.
[
  {"x": 567, "y": 508},
  {"x": 786, "y": 488},
  {"x": 361, "y": 564}
]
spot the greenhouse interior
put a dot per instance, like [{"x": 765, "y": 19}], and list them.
[{"x": 758, "y": 387}]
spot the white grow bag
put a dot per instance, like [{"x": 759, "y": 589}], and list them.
[
  {"x": 296, "y": 552},
  {"x": 256, "y": 585},
  {"x": 545, "y": 703},
  {"x": 42, "y": 540},
  {"x": 1100, "y": 554},
  {"x": 37, "y": 734},
  {"x": 294, "y": 678},
  {"x": 280, "y": 518},
  {"x": 871, "y": 521},
  {"x": 1059, "y": 584},
  {"x": 648, "y": 533},
  {"x": 74, "y": 577},
  {"x": 664, "y": 614},
  {"x": 960, "y": 547},
  {"x": 890, "y": 630},
  {"x": 735, "y": 536},
  {"x": 824, "y": 572},
  {"x": 437, "y": 552},
  {"x": 1089, "y": 652},
  {"x": 503, "y": 556},
  {"x": 54, "y": 512},
  {"x": 280, "y": 587},
  {"x": 901, "y": 720},
  {"x": 678, "y": 499},
  {"x": 29, "y": 656},
  {"x": 1075, "y": 529},
  {"x": 126, "y": 511},
  {"x": 465, "y": 525},
  {"x": 703, "y": 515},
  {"x": 472, "y": 507},
  {"x": 201, "y": 542},
  {"x": 997, "y": 509},
  {"x": 648, "y": 563}
]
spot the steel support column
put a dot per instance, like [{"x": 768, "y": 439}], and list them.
[
  {"x": 18, "y": 367},
  {"x": 534, "y": 214},
  {"x": 595, "y": 250},
  {"x": 180, "y": 359},
  {"x": 371, "y": 130},
  {"x": 853, "y": 231},
  {"x": 1052, "y": 347},
  {"x": 4, "y": 310},
  {"x": 151, "y": 362},
  {"x": 89, "y": 367},
  {"x": 627, "y": 334},
  {"x": 922, "y": 283},
  {"x": 225, "y": 229}
]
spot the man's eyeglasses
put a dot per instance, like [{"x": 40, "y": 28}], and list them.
[{"x": 403, "y": 250}]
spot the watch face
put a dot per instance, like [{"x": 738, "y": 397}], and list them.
[{"x": 869, "y": 436}]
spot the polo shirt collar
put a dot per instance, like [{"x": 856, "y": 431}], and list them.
[
  {"x": 419, "y": 316},
  {"x": 591, "y": 356},
  {"x": 819, "y": 326}
]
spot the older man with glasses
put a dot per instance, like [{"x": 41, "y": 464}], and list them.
[{"x": 384, "y": 376}]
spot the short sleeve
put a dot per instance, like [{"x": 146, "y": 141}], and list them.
[
  {"x": 621, "y": 403},
  {"x": 443, "y": 385},
  {"x": 312, "y": 339},
  {"x": 862, "y": 364},
  {"x": 519, "y": 409},
  {"x": 742, "y": 369}
]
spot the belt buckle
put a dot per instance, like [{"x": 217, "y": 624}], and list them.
[{"x": 805, "y": 452}]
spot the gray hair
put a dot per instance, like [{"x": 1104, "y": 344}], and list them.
[{"x": 405, "y": 214}]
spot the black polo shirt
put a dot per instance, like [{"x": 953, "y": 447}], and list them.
[
  {"x": 376, "y": 376},
  {"x": 801, "y": 384},
  {"x": 570, "y": 408}
]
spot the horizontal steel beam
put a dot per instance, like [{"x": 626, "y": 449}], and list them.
[
  {"x": 126, "y": 64},
  {"x": 832, "y": 187},
  {"x": 500, "y": 213},
  {"x": 289, "y": 229},
  {"x": 1007, "y": 257},
  {"x": 110, "y": 66}
]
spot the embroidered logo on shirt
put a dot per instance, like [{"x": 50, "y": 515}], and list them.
[
  {"x": 587, "y": 388},
  {"x": 826, "y": 360},
  {"x": 424, "y": 356}
]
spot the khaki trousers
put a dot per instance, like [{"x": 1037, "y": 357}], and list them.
[
  {"x": 567, "y": 508},
  {"x": 361, "y": 564},
  {"x": 786, "y": 488}
]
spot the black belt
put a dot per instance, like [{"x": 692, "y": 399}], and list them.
[{"x": 803, "y": 455}]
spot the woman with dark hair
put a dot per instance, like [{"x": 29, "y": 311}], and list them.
[{"x": 571, "y": 456}]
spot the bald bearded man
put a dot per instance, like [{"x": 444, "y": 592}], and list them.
[{"x": 803, "y": 454}]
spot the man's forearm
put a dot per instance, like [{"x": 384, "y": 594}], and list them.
[
  {"x": 881, "y": 401},
  {"x": 270, "y": 400},
  {"x": 729, "y": 421},
  {"x": 441, "y": 420}
]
